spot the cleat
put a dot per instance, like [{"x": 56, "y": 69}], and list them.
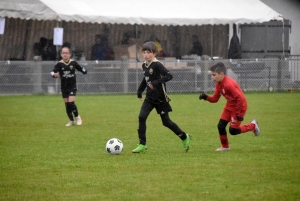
[
  {"x": 78, "y": 120},
  {"x": 223, "y": 149},
  {"x": 140, "y": 149},
  {"x": 71, "y": 123},
  {"x": 186, "y": 142},
  {"x": 256, "y": 131}
]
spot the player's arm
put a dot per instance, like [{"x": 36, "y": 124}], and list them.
[
  {"x": 214, "y": 98},
  {"x": 141, "y": 88},
  {"x": 80, "y": 68},
  {"x": 54, "y": 72},
  {"x": 165, "y": 75}
]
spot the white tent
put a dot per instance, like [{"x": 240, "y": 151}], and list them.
[
  {"x": 156, "y": 12},
  {"x": 136, "y": 12},
  {"x": 26, "y": 9}
]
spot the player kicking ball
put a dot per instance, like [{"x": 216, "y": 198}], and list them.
[
  {"x": 155, "y": 77},
  {"x": 235, "y": 108}
]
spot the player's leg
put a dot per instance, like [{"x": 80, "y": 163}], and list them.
[
  {"x": 167, "y": 122},
  {"x": 146, "y": 108},
  {"x": 185, "y": 137},
  {"x": 71, "y": 101},
  {"x": 223, "y": 135},
  {"x": 235, "y": 124},
  {"x": 224, "y": 120},
  {"x": 236, "y": 127},
  {"x": 68, "y": 106},
  {"x": 253, "y": 126}
]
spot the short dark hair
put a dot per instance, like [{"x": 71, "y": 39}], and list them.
[
  {"x": 219, "y": 68},
  {"x": 150, "y": 46}
]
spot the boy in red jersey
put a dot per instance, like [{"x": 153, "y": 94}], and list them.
[{"x": 235, "y": 108}]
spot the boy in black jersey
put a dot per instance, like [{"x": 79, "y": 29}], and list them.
[
  {"x": 65, "y": 69},
  {"x": 155, "y": 76}
]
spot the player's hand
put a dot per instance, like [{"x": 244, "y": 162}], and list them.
[
  {"x": 141, "y": 99},
  {"x": 56, "y": 75},
  {"x": 150, "y": 85},
  {"x": 202, "y": 96},
  {"x": 240, "y": 118}
]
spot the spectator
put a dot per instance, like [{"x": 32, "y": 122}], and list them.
[
  {"x": 154, "y": 39},
  {"x": 234, "y": 51},
  {"x": 45, "y": 49},
  {"x": 51, "y": 51},
  {"x": 197, "y": 46},
  {"x": 100, "y": 48}
]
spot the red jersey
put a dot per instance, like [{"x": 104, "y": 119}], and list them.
[{"x": 229, "y": 88}]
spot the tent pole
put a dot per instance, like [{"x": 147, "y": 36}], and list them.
[
  {"x": 283, "y": 56},
  {"x": 57, "y": 52},
  {"x": 136, "y": 43},
  {"x": 28, "y": 25},
  {"x": 211, "y": 39}
]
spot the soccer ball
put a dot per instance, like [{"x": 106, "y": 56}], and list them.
[{"x": 114, "y": 146}]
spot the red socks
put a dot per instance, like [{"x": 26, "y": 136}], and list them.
[
  {"x": 247, "y": 127},
  {"x": 224, "y": 141}
]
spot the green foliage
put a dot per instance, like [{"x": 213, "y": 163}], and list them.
[{"x": 42, "y": 159}]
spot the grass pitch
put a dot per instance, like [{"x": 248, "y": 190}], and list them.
[{"x": 42, "y": 159}]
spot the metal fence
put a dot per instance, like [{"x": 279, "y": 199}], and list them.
[{"x": 124, "y": 77}]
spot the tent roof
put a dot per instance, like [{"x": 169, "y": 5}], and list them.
[
  {"x": 154, "y": 12},
  {"x": 26, "y": 9}
]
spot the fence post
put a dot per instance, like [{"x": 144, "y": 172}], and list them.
[
  {"x": 205, "y": 70},
  {"x": 124, "y": 71},
  {"x": 279, "y": 74},
  {"x": 37, "y": 72}
]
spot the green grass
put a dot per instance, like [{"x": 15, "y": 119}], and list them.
[{"x": 41, "y": 159}]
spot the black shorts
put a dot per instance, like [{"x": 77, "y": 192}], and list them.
[
  {"x": 162, "y": 108},
  {"x": 66, "y": 94}
]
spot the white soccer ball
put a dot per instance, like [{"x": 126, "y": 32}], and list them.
[{"x": 114, "y": 146}]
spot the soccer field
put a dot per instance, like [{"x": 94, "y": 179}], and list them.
[{"x": 42, "y": 159}]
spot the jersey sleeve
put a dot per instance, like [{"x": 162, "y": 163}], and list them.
[
  {"x": 165, "y": 74},
  {"x": 80, "y": 68},
  {"x": 141, "y": 88},
  {"x": 216, "y": 96},
  {"x": 55, "y": 70}
]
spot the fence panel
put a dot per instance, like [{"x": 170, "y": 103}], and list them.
[{"x": 124, "y": 77}]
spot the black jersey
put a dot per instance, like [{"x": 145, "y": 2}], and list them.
[
  {"x": 67, "y": 74},
  {"x": 156, "y": 74}
]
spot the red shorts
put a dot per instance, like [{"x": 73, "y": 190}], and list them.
[{"x": 230, "y": 116}]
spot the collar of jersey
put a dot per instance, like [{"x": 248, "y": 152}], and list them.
[
  {"x": 62, "y": 61},
  {"x": 147, "y": 65}
]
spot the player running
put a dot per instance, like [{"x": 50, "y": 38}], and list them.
[
  {"x": 155, "y": 76},
  {"x": 65, "y": 69},
  {"x": 235, "y": 108}
]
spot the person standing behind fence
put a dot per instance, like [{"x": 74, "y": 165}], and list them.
[
  {"x": 100, "y": 48},
  {"x": 155, "y": 77},
  {"x": 65, "y": 69},
  {"x": 161, "y": 52},
  {"x": 235, "y": 108},
  {"x": 197, "y": 46}
]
